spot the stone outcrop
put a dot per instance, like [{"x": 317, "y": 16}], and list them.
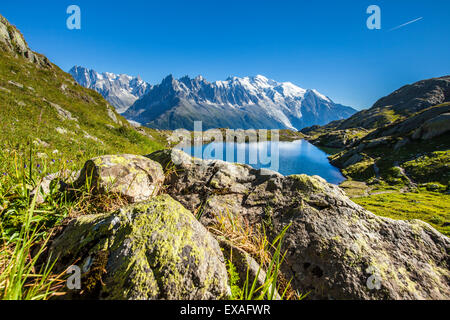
[
  {"x": 335, "y": 248},
  {"x": 151, "y": 250}
]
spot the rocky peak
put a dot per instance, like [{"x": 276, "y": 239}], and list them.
[
  {"x": 12, "y": 41},
  {"x": 401, "y": 103},
  {"x": 168, "y": 80},
  {"x": 248, "y": 102},
  {"x": 418, "y": 96}
]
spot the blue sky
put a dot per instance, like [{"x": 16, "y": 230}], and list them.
[{"x": 315, "y": 44}]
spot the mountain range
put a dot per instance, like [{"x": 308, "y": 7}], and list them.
[
  {"x": 236, "y": 103},
  {"x": 119, "y": 90}
]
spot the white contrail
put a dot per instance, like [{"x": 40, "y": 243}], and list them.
[{"x": 405, "y": 24}]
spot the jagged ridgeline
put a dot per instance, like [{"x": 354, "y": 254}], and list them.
[
  {"x": 42, "y": 104},
  {"x": 236, "y": 103}
]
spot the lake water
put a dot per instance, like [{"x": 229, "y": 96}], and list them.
[{"x": 287, "y": 158}]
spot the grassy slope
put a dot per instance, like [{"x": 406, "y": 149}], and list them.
[
  {"x": 431, "y": 207},
  {"x": 424, "y": 162},
  {"x": 26, "y": 116}
]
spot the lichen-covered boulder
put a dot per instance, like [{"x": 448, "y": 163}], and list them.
[
  {"x": 335, "y": 248},
  {"x": 151, "y": 250},
  {"x": 134, "y": 177}
]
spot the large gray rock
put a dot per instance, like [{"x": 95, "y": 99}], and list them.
[
  {"x": 151, "y": 250},
  {"x": 335, "y": 248},
  {"x": 134, "y": 177}
]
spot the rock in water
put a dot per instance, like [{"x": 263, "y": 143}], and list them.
[
  {"x": 135, "y": 177},
  {"x": 335, "y": 248},
  {"x": 150, "y": 250}
]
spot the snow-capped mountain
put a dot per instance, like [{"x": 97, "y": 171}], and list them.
[
  {"x": 236, "y": 103},
  {"x": 120, "y": 90}
]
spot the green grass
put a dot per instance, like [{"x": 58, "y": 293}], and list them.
[
  {"x": 361, "y": 171},
  {"x": 329, "y": 150},
  {"x": 387, "y": 115},
  {"x": 431, "y": 207},
  {"x": 354, "y": 188},
  {"x": 25, "y": 229},
  {"x": 424, "y": 161},
  {"x": 250, "y": 290},
  {"x": 433, "y": 167},
  {"x": 21, "y": 277}
]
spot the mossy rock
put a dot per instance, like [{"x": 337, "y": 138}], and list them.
[
  {"x": 307, "y": 183},
  {"x": 152, "y": 250},
  {"x": 363, "y": 170}
]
